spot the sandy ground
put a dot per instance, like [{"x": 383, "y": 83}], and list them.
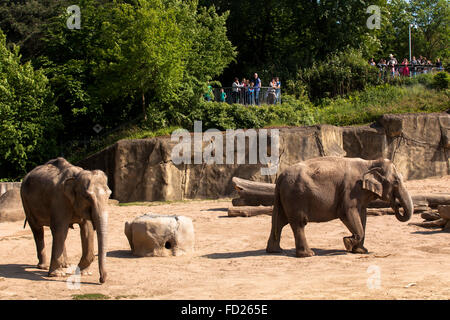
[{"x": 404, "y": 262}]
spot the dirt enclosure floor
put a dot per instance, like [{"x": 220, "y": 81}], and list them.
[{"x": 230, "y": 262}]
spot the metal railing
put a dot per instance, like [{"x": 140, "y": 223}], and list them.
[
  {"x": 414, "y": 69},
  {"x": 248, "y": 96}
]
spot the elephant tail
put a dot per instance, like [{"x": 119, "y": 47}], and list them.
[{"x": 25, "y": 223}]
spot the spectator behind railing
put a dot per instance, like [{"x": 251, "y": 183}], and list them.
[
  {"x": 271, "y": 95},
  {"x": 392, "y": 63},
  {"x": 414, "y": 64},
  {"x": 251, "y": 93},
  {"x": 243, "y": 92},
  {"x": 278, "y": 90},
  {"x": 235, "y": 90},
  {"x": 209, "y": 95},
  {"x": 257, "y": 86},
  {"x": 439, "y": 64},
  {"x": 382, "y": 68},
  {"x": 404, "y": 70},
  {"x": 223, "y": 95}
]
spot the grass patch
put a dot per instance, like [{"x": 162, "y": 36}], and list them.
[
  {"x": 90, "y": 296},
  {"x": 369, "y": 105}
]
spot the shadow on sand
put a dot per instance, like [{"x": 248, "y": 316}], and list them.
[
  {"x": 30, "y": 272},
  {"x": 262, "y": 252},
  {"x": 121, "y": 254},
  {"x": 430, "y": 232},
  {"x": 216, "y": 209}
]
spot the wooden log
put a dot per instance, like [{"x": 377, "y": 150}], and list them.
[
  {"x": 433, "y": 199},
  {"x": 249, "y": 211},
  {"x": 253, "y": 193},
  {"x": 430, "y": 216},
  {"x": 440, "y": 223},
  {"x": 420, "y": 209}
]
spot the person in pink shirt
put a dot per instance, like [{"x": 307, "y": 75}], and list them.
[{"x": 405, "y": 69}]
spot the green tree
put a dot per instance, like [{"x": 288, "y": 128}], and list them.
[
  {"x": 28, "y": 117},
  {"x": 278, "y": 37},
  {"x": 150, "y": 57},
  {"x": 432, "y": 36},
  {"x": 23, "y": 22},
  {"x": 430, "y": 32}
]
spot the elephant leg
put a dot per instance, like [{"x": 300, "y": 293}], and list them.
[
  {"x": 279, "y": 220},
  {"x": 354, "y": 224},
  {"x": 301, "y": 246},
  {"x": 87, "y": 246},
  {"x": 38, "y": 234},
  {"x": 59, "y": 234},
  {"x": 65, "y": 261},
  {"x": 363, "y": 217}
]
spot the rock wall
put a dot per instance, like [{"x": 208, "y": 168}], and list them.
[
  {"x": 143, "y": 169},
  {"x": 5, "y": 186}
]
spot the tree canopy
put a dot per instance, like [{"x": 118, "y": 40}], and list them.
[
  {"x": 279, "y": 37},
  {"x": 28, "y": 116},
  {"x": 152, "y": 60}
]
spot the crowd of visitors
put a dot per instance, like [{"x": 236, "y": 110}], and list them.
[
  {"x": 395, "y": 69},
  {"x": 248, "y": 92}
]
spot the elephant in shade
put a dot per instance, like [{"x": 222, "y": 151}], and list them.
[
  {"x": 58, "y": 194},
  {"x": 327, "y": 188}
]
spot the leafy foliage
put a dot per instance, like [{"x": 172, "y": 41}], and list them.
[
  {"x": 441, "y": 81},
  {"x": 340, "y": 74},
  {"x": 149, "y": 57},
  {"x": 279, "y": 37},
  {"x": 430, "y": 31},
  {"x": 23, "y": 22},
  {"x": 149, "y": 62},
  {"x": 28, "y": 117}
]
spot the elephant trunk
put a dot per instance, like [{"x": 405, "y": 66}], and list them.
[
  {"x": 406, "y": 202},
  {"x": 101, "y": 226}
]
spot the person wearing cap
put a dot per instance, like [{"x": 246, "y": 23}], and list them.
[{"x": 392, "y": 63}]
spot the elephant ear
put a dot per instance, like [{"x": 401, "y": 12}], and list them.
[
  {"x": 69, "y": 189},
  {"x": 373, "y": 181}
]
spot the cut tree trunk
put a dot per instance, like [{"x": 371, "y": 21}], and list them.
[
  {"x": 253, "y": 193},
  {"x": 440, "y": 223},
  {"x": 249, "y": 211},
  {"x": 430, "y": 216}
]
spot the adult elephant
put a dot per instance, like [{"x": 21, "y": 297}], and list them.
[
  {"x": 327, "y": 188},
  {"x": 59, "y": 194}
]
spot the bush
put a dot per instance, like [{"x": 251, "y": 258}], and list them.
[
  {"x": 224, "y": 116},
  {"x": 338, "y": 75},
  {"x": 441, "y": 80},
  {"x": 425, "y": 79}
]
